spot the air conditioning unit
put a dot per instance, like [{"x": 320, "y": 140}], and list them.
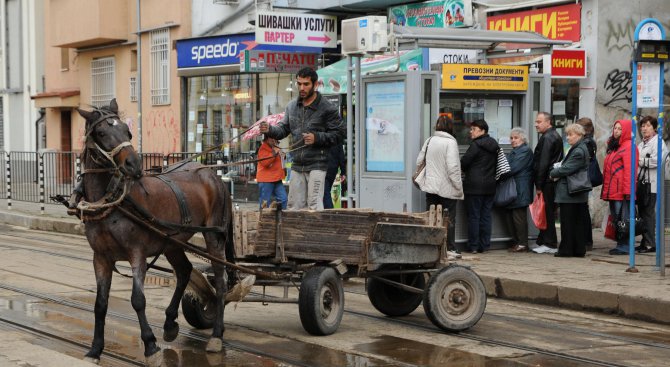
[{"x": 366, "y": 35}]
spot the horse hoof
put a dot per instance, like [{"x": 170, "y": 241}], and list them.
[
  {"x": 155, "y": 360},
  {"x": 170, "y": 334},
  {"x": 214, "y": 345},
  {"x": 92, "y": 360}
]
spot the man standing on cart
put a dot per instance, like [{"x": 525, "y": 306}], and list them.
[{"x": 314, "y": 125}]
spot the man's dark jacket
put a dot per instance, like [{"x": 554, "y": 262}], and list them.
[
  {"x": 548, "y": 151},
  {"x": 336, "y": 160},
  {"x": 320, "y": 118},
  {"x": 479, "y": 165}
]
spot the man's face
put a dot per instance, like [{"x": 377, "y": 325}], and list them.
[
  {"x": 542, "y": 124},
  {"x": 476, "y": 132},
  {"x": 305, "y": 87}
]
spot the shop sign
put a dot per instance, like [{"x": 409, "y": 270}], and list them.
[
  {"x": 484, "y": 77},
  {"x": 296, "y": 29},
  {"x": 451, "y": 56},
  {"x": 434, "y": 14},
  {"x": 558, "y": 23},
  {"x": 568, "y": 64},
  {"x": 225, "y": 50},
  {"x": 275, "y": 62}
]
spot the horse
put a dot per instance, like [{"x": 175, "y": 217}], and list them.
[{"x": 187, "y": 195}]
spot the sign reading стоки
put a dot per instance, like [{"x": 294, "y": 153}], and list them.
[{"x": 296, "y": 29}]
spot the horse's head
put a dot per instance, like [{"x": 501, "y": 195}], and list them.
[{"x": 109, "y": 139}]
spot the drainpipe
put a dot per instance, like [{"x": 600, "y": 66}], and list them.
[{"x": 42, "y": 112}]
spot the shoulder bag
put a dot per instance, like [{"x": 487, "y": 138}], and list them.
[
  {"x": 623, "y": 225},
  {"x": 595, "y": 175},
  {"x": 421, "y": 167},
  {"x": 505, "y": 192},
  {"x": 643, "y": 188},
  {"x": 502, "y": 166},
  {"x": 579, "y": 182}
]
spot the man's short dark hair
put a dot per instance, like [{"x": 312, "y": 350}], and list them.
[
  {"x": 482, "y": 124},
  {"x": 445, "y": 124},
  {"x": 649, "y": 119},
  {"x": 308, "y": 72}
]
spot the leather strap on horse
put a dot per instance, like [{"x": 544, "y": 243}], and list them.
[
  {"x": 148, "y": 217},
  {"x": 181, "y": 200},
  {"x": 196, "y": 250}
]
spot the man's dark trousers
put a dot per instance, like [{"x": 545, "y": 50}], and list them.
[{"x": 548, "y": 236}]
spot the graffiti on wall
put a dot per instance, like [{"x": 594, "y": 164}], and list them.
[
  {"x": 619, "y": 86},
  {"x": 162, "y": 131}
]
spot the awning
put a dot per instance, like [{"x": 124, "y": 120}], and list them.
[
  {"x": 333, "y": 78},
  {"x": 416, "y": 37},
  {"x": 57, "y": 99}
]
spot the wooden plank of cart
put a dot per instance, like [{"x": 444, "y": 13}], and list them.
[{"x": 401, "y": 255}]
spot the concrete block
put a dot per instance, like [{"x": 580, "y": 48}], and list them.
[
  {"x": 588, "y": 300},
  {"x": 644, "y": 308},
  {"x": 519, "y": 290},
  {"x": 490, "y": 284}
]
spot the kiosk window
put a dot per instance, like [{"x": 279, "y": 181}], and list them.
[
  {"x": 385, "y": 127},
  {"x": 500, "y": 112}
]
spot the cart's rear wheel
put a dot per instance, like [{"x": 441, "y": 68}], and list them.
[
  {"x": 321, "y": 301},
  {"x": 455, "y": 298},
  {"x": 197, "y": 314},
  {"x": 393, "y": 301}
]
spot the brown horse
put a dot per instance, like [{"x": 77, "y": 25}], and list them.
[{"x": 187, "y": 196}]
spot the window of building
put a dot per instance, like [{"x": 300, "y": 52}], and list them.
[
  {"x": 160, "y": 67},
  {"x": 64, "y": 59},
  {"x": 102, "y": 81},
  {"x": 133, "y": 60},
  {"x": 564, "y": 101},
  {"x": 133, "y": 89}
]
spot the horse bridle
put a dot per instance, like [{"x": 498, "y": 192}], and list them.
[{"x": 104, "y": 116}]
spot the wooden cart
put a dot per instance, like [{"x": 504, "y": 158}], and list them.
[{"x": 401, "y": 255}]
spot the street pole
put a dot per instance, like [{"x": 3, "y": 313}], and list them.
[{"x": 139, "y": 79}]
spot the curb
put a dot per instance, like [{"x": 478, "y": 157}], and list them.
[
  {"x": 632, "y": 307},
  {"x": 42, "y": 224}
]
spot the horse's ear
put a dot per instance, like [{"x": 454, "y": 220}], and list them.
[
  {"x": 113, "y": 106},
  {"x": 85, "y": 114}
]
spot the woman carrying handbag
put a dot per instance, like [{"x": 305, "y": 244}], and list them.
[
  {"x": 441, "y": 176},
  {"x": 521, "y": 170},
  {"x": 572, "y": 193}
]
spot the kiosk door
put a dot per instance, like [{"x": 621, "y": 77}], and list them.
[{"x": 397, "y": 110}]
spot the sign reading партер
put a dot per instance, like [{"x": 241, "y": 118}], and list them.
[{"x": 296, "y": 29}]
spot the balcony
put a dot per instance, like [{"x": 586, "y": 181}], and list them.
[{"x": 88, "y": 23}]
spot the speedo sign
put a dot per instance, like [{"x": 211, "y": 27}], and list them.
[{"x": 225, "y": 50}]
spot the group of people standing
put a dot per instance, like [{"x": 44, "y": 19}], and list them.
[{"x": 543, "y": 172}]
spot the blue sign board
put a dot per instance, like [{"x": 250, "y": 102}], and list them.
[{"x": 224, "y": 50}]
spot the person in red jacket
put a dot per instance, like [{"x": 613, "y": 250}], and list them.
[
  {"x": 270, "y": 173},
  {"x": 616, "y": 176}
]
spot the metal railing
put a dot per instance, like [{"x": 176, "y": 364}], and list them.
[{"x": 34, "y": 177}]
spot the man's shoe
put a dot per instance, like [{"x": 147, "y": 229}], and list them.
[
  {"x": 647, "y": 249},
  {"x": 640, "y": 248},
  {"x": 453, "y": 254},
  {"x": 616, "y": 251}
]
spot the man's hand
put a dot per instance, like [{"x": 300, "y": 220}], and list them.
[
  {"x": 538, "y": 191},
  {"x": 308, "y": 138},
  {"x": 343, "y": 179},
  {"x": 264, "y": 127}
]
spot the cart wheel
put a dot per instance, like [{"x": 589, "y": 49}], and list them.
[
  {"x": 321, "y": 301},
  {"x": 393, "y": 301},
  {"x": 455, "y": 298},
  {"x": 197, "y": 314}
]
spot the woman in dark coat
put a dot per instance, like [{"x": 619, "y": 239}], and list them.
[
  {"x": 521, "y": 164},
  {"x": 572, "y": 206},
  {"x": 593, "y": 148},
  {"x": 479, "y": 166}
]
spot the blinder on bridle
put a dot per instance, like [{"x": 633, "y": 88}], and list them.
[{"x": 112, "y": 119}]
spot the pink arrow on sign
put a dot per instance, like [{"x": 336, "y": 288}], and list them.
[{"x": 325, "y": 38}]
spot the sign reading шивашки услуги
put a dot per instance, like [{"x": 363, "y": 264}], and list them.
[{"x": 296, "y": 29}]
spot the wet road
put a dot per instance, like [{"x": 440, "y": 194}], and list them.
[{"x": 47, "y": 290}]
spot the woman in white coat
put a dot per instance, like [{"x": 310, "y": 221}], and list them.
[
  {"x": 648, "y": 161},
  {"x": 442, "y": 179}
]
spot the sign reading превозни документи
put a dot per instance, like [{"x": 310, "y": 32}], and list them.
[
  {"x": 296, "y": 29},
  {"x": 484, "y": 77}
]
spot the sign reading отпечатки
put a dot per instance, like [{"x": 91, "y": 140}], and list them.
[{"x": 296, "y": 29}]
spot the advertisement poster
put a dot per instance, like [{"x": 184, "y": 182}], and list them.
[
  {"x": 648, "y": 85},
  {"x": 434, "y": 14},
  {"x": 484, "y": 77},
  {"x": 385, "y": 127},
  {"x": 557, "y": 23}
]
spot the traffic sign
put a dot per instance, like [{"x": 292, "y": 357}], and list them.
[{"x": 296, "y": 29}]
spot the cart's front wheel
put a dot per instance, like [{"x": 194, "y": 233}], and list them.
[
  {"x": 321, "y": 301},
  {"x": 455, "y": 298},
  {"x": 394, "y": 301},
  {"x": 197, "y": 314}
]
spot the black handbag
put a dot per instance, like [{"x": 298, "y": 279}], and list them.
[
  {"x": 505, "y": 192},
  {"x": 643, "y": 188},
  {"x": 623, "y": 225},
  {"x": 579, "y": 182},
  {"x": 595, "y": 175}
]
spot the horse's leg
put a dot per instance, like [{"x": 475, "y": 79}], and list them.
[
  {"x": 103, "y": 280},
  {"x": 138, "y": 301},
  {"x": 215, "y": 247},
  {"x": 182, "y": 268}
]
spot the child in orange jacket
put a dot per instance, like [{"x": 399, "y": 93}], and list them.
[{"x": 269, "y": 174}]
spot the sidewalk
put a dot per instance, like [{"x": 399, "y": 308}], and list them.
[{"x": 599, "y": 282}]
